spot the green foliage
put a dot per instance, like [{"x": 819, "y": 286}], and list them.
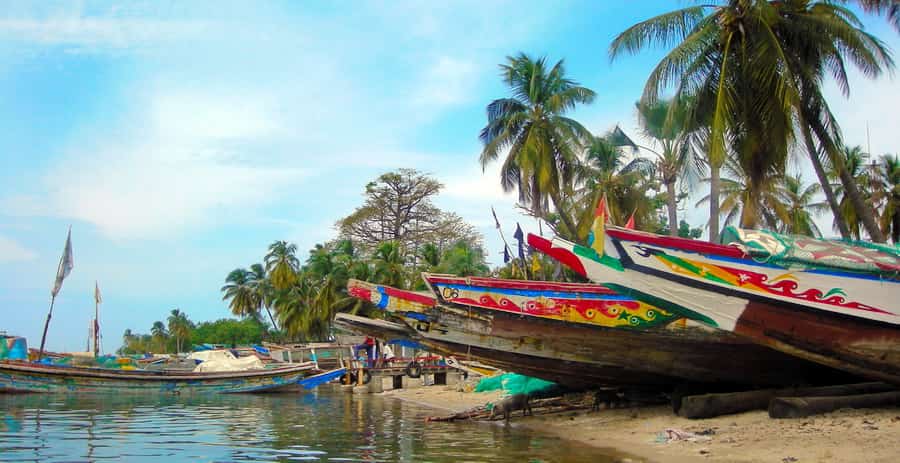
[{"x": 229, "y": 331}]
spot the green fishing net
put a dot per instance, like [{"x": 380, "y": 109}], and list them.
[
  {"x": 803, "y": 251},
  {"x": 512, "y": 383}
]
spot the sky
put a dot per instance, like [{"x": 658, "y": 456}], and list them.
[{"x": 179, "y": 139}]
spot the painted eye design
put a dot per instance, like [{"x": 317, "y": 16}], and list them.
[
  {"x": 634, "y": 320},
  {"x": 590, "y": 313},
  {"x": 613, "y": 310},
  {"x": 651, "y": 314}
]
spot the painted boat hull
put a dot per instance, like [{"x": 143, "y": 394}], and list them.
[
  {"x": 22, "y": 377},
  {"x": 839, "y": 320},
  {"x": 665, "y": 355}
]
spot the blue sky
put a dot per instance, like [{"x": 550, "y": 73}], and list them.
[{"x": 179, "y": 139}]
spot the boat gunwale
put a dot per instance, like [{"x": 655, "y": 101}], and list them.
[{"x": 144, "y": 375}]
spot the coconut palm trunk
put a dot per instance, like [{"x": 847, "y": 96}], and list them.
[
  {"x": 830, "y": 197},
  {"x": 672, "y": 206},
  {"x": 715, "y": 185},
  {"x": 863, "y": 209}
]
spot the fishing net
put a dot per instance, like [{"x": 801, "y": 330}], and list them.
[
  {"x": 512, "y": 383},
  {"x": 803, "y": 251}
]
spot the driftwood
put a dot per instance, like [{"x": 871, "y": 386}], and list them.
[
  {"x": 710, "y": 405},
  {"x": 798, "y": 407},
  {"x": 540, "y": 406}
]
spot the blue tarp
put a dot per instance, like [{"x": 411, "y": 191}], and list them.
[{"x": 406, "y": 343}]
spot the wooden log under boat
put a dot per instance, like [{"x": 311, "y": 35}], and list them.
[
  {"x": 23, "y": 377},
  {"x": 799, "y": 407},
  {"x": 711, "y": 405}
]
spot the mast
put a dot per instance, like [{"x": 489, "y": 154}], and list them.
[{"x": 96, "y": 327}]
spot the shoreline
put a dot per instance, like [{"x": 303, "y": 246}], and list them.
[{"x": 635, "y": 434}]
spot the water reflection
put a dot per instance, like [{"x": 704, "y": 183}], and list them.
[{"x": 317, "y": 426}]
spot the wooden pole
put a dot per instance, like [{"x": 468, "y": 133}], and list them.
[
  {"x": 46, "y": 325},
  {"x": 96, "y": 328}
]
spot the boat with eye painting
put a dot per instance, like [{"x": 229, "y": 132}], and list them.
[
  {"x": 533, "y": 333},
  {"x": 828, "y": 302}
]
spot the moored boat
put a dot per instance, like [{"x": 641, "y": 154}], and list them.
[
  {"x": 25, "y": 377},
  {"x": 585, "y": 353},
  {"x": 822, "y": 301}
]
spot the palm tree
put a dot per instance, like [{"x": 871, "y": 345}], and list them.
[
  {"x": 751, "y": 69},
  {"x": 541, "y": 142},
  {"x": 159, "y": 334},
  {"x": 262, "y": 290},
  {"x": 282, "y": 264},
  {"x": 744, "y": 202},
  {"x": 889, "y": 8},
  {"x": 389, "y": 262},
  {"x": 179, "y": 327},
  {"x": 853, "y": 158},
  {"x": 605, "y": 173},
  {"x": 801, "y": 206},
  {"x": 675, "y": 158},
  {"x": 886, "y": 194},
  {"x": 463, "y": 259},
  {"x": 240, "y": 293}
]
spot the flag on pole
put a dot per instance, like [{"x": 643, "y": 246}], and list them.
[
  {"x": 97, "y": 297},
  {"x": 520, "y": 237},
  {"x": 598, "y": 234},
  {"x": 496, "y": 222},
  {"x": 630, "y": 223},
  {"x": 506, "y": 256},
  {"x": 66, "y": 262}
]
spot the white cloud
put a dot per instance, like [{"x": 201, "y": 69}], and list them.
[
  {"x": 447, "y": 82},
  {"x": 99, "y": 33},
  {"x": 173, "y": 169},
  {"x": 12, "y": 251}
]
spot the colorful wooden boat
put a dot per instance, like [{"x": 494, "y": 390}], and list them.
[
  {"x": 566, "y": 352},
  {"x": 842, "y": 316},
  {"x": 19, "y": 377}
]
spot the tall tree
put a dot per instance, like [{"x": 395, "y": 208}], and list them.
[
  {"x": 159, "y": 333},
  {"x": 399, "y": 207},
  {"x": 744, "y": 201},
  {"x": 754, "y": 68},
  {"x": 676, "y": 158},
  {"x": 801, "y": 205},
  {"x": 239, "y": 292},
  {"x": 262, "y": 290},
  {"x": 886, "y": 194},
  {"x": 179, "y": 327},
  {"x": 389, "y": 261},
  {"x": 282, "y": 264},
  {"x": 540, "y": 142}
]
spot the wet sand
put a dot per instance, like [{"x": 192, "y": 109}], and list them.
[{"x": 842, "y": 436}]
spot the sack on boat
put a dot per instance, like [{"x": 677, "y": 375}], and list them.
[
  {"x": 796, "y": 250},
  {"x": 223, "y": 360}
]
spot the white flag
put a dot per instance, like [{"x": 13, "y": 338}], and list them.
[
  {"x": 66, "y": 263},
  {"x": 97, "y": 296}
]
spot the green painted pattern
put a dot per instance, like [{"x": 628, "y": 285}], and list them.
[{"x": 662, "y": 304}]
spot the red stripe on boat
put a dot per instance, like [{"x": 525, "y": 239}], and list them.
[
  {"x": 501, "y": 283},
  {"x": 565, "y": 256},
  {"x": 409, "y": 296},
  {"x": 683, "y": 244}
]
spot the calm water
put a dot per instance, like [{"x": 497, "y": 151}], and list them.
[{"x": 315, "y": 426}]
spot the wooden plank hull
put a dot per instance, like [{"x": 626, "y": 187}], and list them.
[
  {"x": 840, "y": 320},
  {"x": 664, "y": 355},
  {"x": 21, "y": 377}
]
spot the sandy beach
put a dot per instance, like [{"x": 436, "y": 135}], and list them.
[{"x": 842, "y": 436}]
